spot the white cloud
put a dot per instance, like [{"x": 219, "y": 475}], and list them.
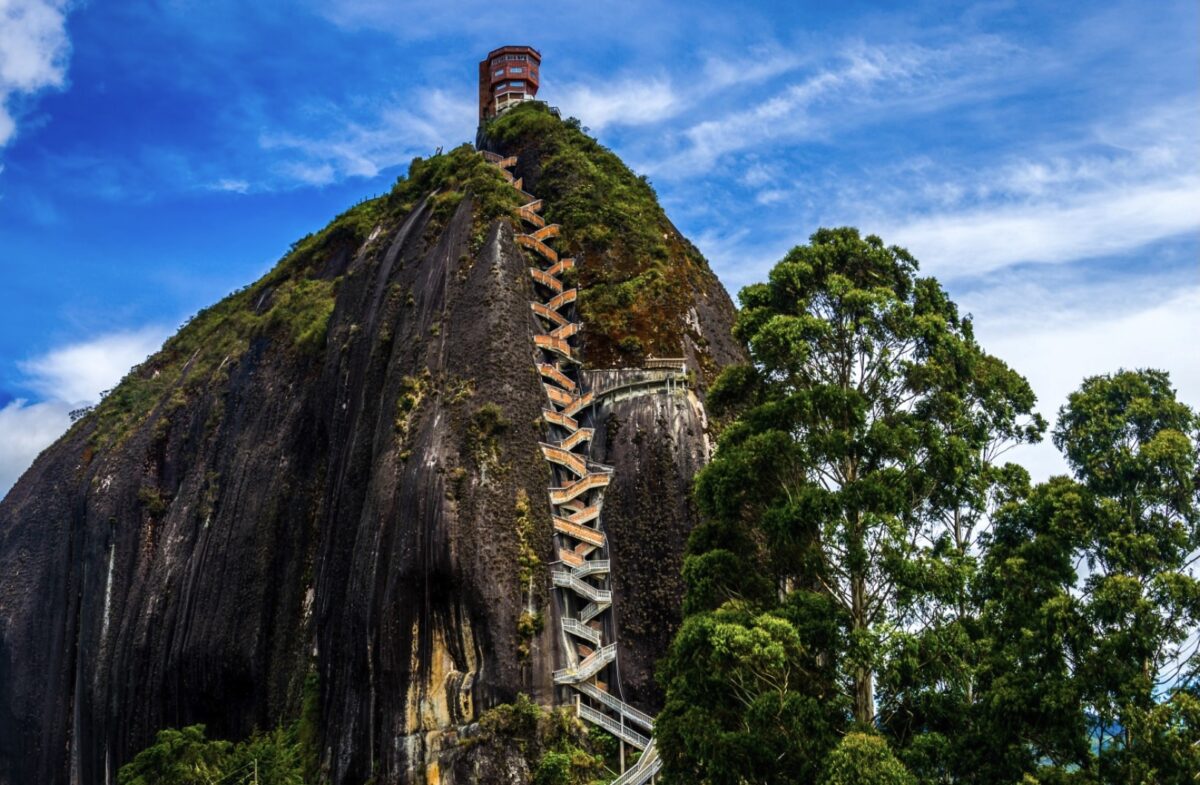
[
  {"x": 763, "y": 63},
  {"x": 25, "y": 430},
  {"x": 866, "y": 82},
  {"x": 78, "y": 372},
  {"x": 435, "y": 118},
  {"x": 1111, "y": 189},
  {"x": 232, "y": 185},
  {"x": 627, "y": 102},
  {"x": 33, "y": 53},
  {"x": 1098, "y": 329},
  {"x": 66, "y": 377},
  {"x": 1057, "y": 229}
]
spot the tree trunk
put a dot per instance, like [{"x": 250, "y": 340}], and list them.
[
  {"x": 864, "y": 682},
  {"x": 864, "y": 696}
]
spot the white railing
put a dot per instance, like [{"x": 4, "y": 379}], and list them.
[
  {"x": 641, "y": 772},
  {"x": 616, "y": 704},
  {"x": 588, "y": 666},
  {"x": 596, "y": 567},
  {"x": 566, "y": 580},
  {"x": 581, "y": 630},
  {"x": 592, "y": 610},
  {"x": 615, "y": 727}
]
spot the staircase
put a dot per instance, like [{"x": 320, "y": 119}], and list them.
[{"x": 582, "y": 575}]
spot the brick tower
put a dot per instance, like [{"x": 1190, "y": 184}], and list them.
[{"x": 507, "y": 77}]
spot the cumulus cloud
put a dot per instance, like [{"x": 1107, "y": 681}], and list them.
[
  {"x": 66, "y": 378},
  {"x": 25, "y": 430},
  {"x": 78, "y": 372},
  {"x": 33, "y": 53}
]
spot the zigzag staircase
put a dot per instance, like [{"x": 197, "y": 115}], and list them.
[{"x": 581, "y": 574}]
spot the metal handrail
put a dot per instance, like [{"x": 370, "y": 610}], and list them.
[
  {"x": 616, "y": 704},
  {"x": 594, "y": 567},
  {"x": 581, "y": 630},
  {"x": 640, "y": 773},
  {"x": 618, "y": 729},
  {"x": 566, "y": 580},
  {"x": 592, "y": 610},
  {"x": 588, "y": 666}
]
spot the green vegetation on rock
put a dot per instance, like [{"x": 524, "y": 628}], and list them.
[
  {"x": 291, "y": 306},
  {"x": 187, "y": 757},
  {"x": 640, "y": 275},
  {"x": 449, "y": 177},
  {"x": 554, "y": 743},
  {"x": 530, "y": 623}
]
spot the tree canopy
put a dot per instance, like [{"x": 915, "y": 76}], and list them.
[
  {"x": 875, "y": 595},
  {"x": 846, "y": 491}
]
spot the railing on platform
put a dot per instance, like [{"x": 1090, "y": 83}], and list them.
[{"x": 665, "y": 363}]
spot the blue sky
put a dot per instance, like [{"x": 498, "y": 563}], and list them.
[{"x": 1043, "y": 160}]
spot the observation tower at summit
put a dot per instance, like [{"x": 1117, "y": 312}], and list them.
[{"x": 507, "y": 77}]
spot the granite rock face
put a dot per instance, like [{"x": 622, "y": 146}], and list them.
[
  {"x": 655, "y": 437},
  {"x": 347, "y": 512}
]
